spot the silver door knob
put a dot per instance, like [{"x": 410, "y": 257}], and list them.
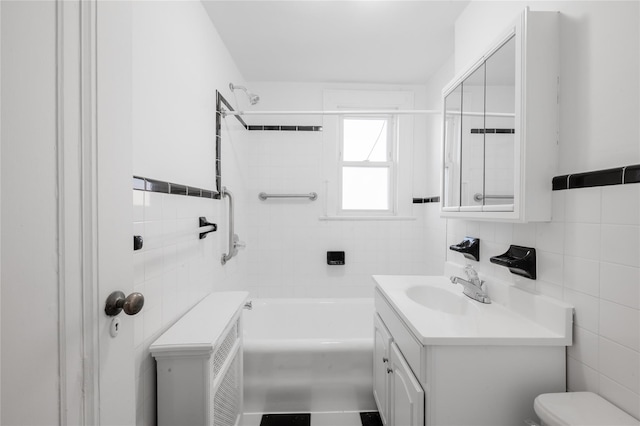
[{"x": 117, "y": 302}]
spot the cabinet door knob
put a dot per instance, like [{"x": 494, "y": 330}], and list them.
[
  {"x": 389, "y": 371},
  {"x": 385, "y": 359}
]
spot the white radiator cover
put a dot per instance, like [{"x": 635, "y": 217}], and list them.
[{"x": 199, "y": 364}]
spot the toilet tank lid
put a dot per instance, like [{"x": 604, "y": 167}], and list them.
[{"x": 580, "y": 408}]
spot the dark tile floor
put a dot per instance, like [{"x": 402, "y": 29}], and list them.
[{"x": 304, "y": 419}]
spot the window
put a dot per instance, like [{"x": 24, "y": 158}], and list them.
[
  {"x": 367, "y": 164},
  {"x": 367, "y": 159}
]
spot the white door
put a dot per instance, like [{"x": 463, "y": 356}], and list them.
[
  {"x": 70, "y": 218},
  {"x": 117, "y": 402},
  {"x": 407, "y": 396}
]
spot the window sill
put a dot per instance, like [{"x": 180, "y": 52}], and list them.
[{"x": 363, "y": 218}]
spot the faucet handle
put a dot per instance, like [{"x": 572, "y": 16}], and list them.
[{"x": 471, "y": 273}]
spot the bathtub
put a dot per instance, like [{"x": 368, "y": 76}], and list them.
[{"x": 308, "y": 355}]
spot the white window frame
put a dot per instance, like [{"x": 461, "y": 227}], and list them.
[
  {"x": 390, "y": 163},
  {"x": 402, "y": 184}
]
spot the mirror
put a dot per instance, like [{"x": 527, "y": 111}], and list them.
[
  {"x": 452, "y": 121},
  {"x": 499, "y": 137},
  {"x": 479, "y": 136},
  {"x": 472, "y": 163}
]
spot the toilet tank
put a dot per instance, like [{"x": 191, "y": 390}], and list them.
[{"x": 579, "y": 409}]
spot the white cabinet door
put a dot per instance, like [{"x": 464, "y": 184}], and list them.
[
  {"x": 382, "y": 342},
  {"x": 407, "y": 396}
]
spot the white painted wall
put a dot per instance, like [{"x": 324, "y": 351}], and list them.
[
  {"x": 178, "y": 63},
  {"x": 589, "y": 254},
  {"x": 29, "y": 253},
  {"x": 599, "y": 74},
  {"x": 287, "y": 244}
]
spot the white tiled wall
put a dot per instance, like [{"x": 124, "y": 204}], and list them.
[
  {"x": 287, "y": 242},
  {"x": 174, "y": 270},
  {"x": 588, "y": 256},
  {"x": 179, "y": 61}
]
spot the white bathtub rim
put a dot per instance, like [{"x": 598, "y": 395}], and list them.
[{"x": 308, "y": 345}]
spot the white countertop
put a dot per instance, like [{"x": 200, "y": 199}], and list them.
[
  {"x": 481, "y": 324},
  {"x": 201, "y": 327}
]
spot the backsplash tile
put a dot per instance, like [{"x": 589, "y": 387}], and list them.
[
  {"x": 620, "y": 284},
  {"x": 612, "y": 315},
  {"x": 621, "y": 204},
  {"x": 620, "y": 244},
  {"x": 620, "y": 364},
  {"x": 595, "y": 232},
  {"x": 585, "y": 347}
]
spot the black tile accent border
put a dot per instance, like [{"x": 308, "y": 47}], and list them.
[
  {"x": 597, "y": 178},
  {"x": 560, "y": 182},
  {"x": 426, "y": 200},
  {"x": 615, "y": 176},
  {"x": 261, "y": 128},
  {"x": 632, "y": 174},
  {"x": 493, "y": 131},
  {"x": 154, "y": 185},
  {"x": 178, "y": 189},
  {"x": 139, "y": 183}
]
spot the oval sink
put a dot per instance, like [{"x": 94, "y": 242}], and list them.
[{"x": 440, "y": 300}]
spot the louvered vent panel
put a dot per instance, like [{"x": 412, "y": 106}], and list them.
[
  {"x": 226, "y": 401},
  {"x": 223, "y": 351}
]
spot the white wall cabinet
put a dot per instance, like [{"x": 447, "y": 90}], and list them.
[{"x": 500, "y": 127}]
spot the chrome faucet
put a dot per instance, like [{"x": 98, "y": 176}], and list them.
[
  {"x": 248, "y": 305},
  {"x": 474, "y": 287}
]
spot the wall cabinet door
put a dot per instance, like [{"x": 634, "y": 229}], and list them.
[
  {"x": 381, "y": 355},
  {"x": 500, "y": 129},
  {"x": 407, "y": 396}
]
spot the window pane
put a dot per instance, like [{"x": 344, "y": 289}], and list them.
[
  {"x": 365, "y": 188},
  {"x": 365, "y": 139}
]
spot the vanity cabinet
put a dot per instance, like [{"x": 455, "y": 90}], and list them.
[
  {"x": 407, "y": 396},
  {"x": 381, "y": 357},
  {"x": 457, "y": 384},
  {"x": 397, "y": 391},
  {"x": 500, "y": 127}
]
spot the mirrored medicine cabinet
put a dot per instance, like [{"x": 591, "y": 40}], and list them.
[{"x": 500, "y": 127}]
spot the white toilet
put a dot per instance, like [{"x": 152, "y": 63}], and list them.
[{"x": 579, "y": 409}]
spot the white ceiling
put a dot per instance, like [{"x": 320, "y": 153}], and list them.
[{"x": 397, "y": 42}]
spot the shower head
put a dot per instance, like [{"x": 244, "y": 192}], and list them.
[{"x": 253, "y": 98}]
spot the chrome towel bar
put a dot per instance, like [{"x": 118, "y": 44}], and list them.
[
  {"x": 312, "y": 196},
  {"x": 480, "y": 197}
]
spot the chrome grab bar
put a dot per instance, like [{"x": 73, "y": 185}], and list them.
[
  {"x": 312, "y": 196},
  {"x": 234, "y": 241}
]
